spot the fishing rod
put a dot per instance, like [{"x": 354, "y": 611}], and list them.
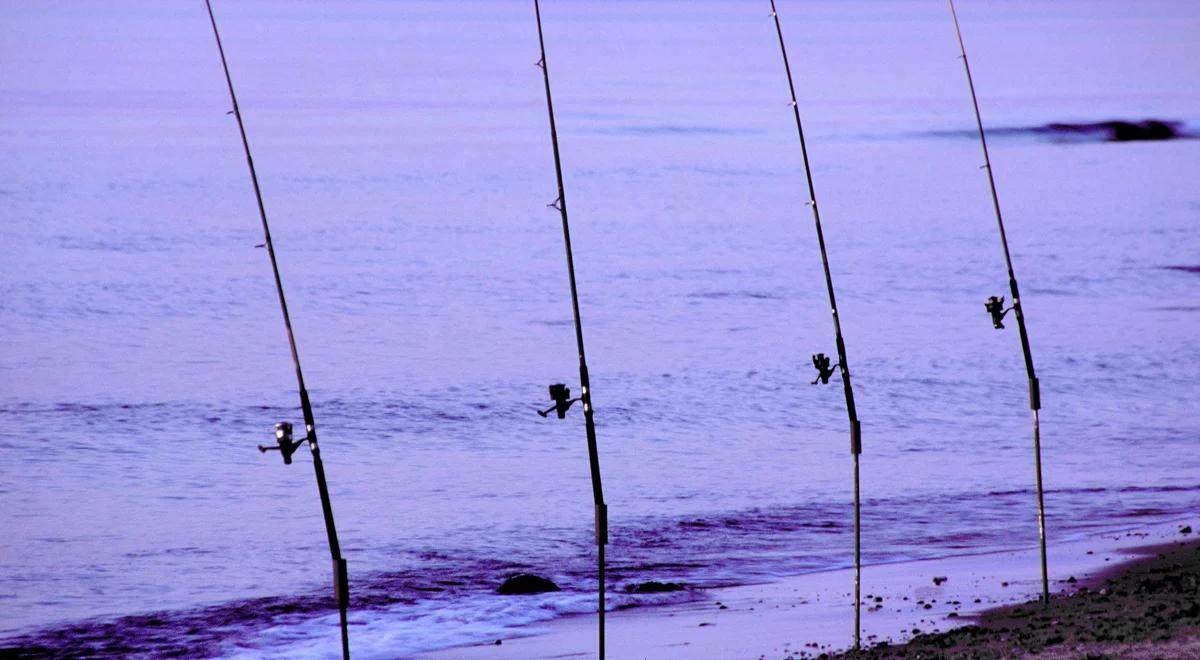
[
  {"x": 560, "y": 393},
  {"x": 283, "y": 430},
  {"x": 820, "y": 360},
  {"x": 995, "y": 307}
]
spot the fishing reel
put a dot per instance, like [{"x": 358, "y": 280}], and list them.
[
  {"x": 824, "y": 370},
  {"x": 283, "y": 437},
  {"x": 561, "y": 395},
  {"x": 995, "y": 307}
]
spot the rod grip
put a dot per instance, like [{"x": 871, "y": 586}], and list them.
[
  {"x": 601, "y": 524},
  {"x": 341, "y": 583},
  {"x": 1035, "y": 395},
  {"x": 855, "y": 437}
]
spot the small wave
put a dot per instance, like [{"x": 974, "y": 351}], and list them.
[
  {"x": 186, "y": 633},
  {"x": 446, "y": 597},
  {"x": 672, "y": 130},
  {"x": 723, "y": 295}
]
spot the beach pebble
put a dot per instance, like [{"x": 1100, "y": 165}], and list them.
[
  {"x": 1185, "y": 530},
  {"x": 939, "y": 579},
  {"x": 653, "y": 587}
]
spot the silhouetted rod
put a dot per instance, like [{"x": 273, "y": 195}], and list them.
[
  {"x": 585, "y": 396},
  {"x": 283, "y": 431},
  {"x": 996, "y": 307},
  {"x": 819, "y": 360}
]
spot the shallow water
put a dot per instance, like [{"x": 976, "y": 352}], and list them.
[{"x": 405, "y": 161}]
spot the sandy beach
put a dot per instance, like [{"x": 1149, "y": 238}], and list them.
[
  {"x": 1147, "y": 609},
  {"x": 809, "y": 615}
]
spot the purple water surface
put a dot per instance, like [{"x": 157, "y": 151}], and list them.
[{"x": 405, "y": 160}]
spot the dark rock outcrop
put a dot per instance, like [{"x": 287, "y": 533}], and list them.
[
  {"x": 1118, "y": 131},
  {"x": 524, "y": 583},
  {"x": 653, "y": 587},
  {"x": 1124, "y": 131}
]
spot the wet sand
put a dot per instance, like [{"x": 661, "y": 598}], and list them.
[
  {"x": 1149, "y": 608},
  {"x": 811, "y": 615}
]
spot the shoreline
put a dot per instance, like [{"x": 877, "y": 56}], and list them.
[
  {"x": 812, "y": 614},
  {"x": 1146, "y": 608}
]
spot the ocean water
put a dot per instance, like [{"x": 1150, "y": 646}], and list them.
[{"x": 404, "y": 155}]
